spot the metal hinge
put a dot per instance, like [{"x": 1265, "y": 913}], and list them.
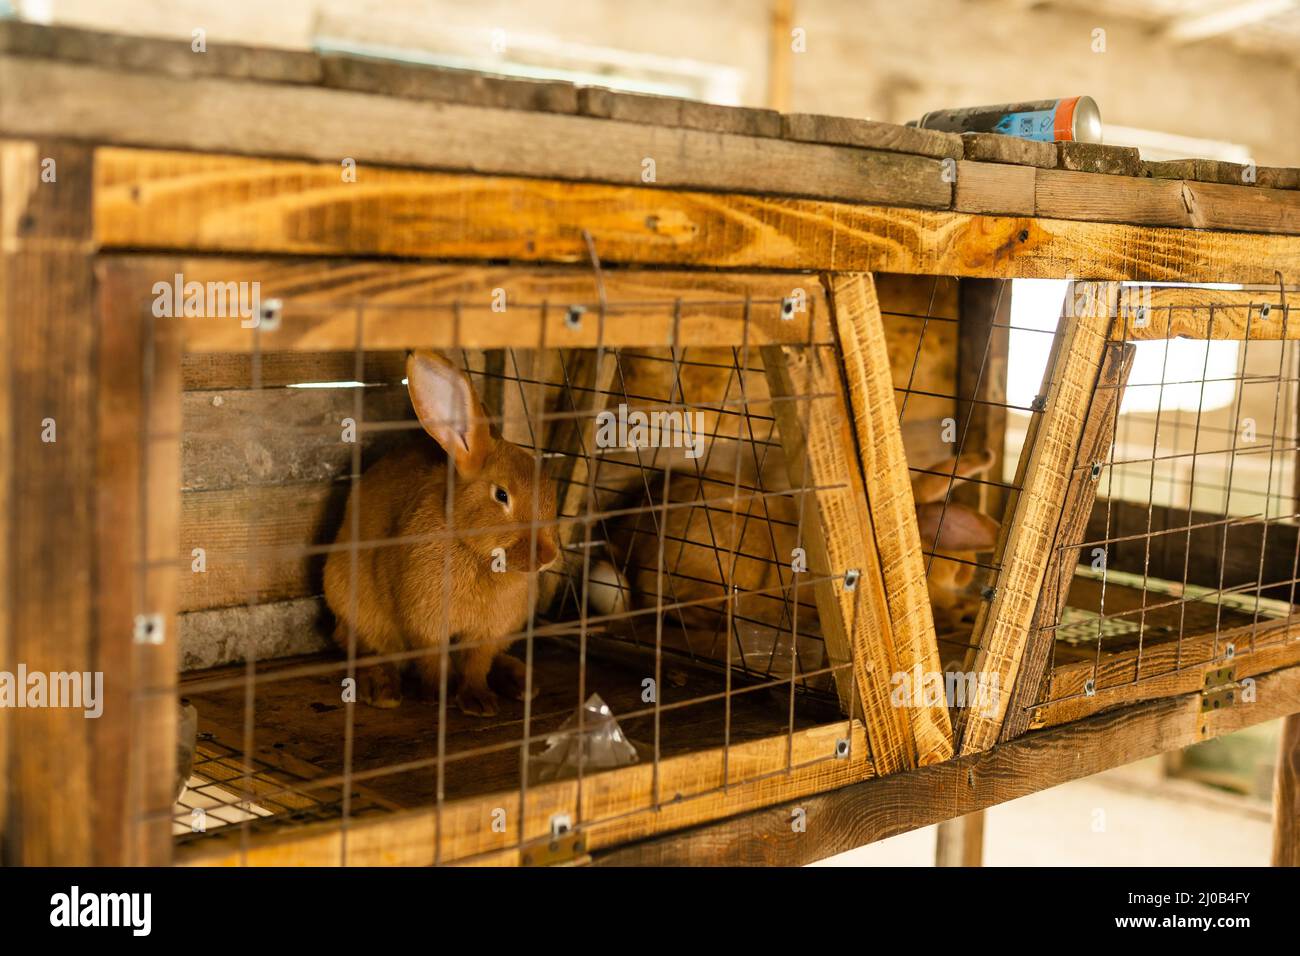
[
  {"x": 1219, "y": 690},
  {"x": 565, "y": 845}
]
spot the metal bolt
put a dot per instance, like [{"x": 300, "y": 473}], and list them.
[
  {"x": 148, "y": 629},
  {"x": 988, "y": 592},
  {"x": 842, "y": 748},
  {"x": 561, "y": 824},
  {"x": 787, "y": 308},
  {"x": 1230, "y": 651},
  {"x": 268, "y": 319},
  {"x": 1264, "y": 310},
  {"x": 1039, "y": 404},
  {"x": 573, "y": 316},
  {"x": 1090, "y": 687},
  {"x": 1095, "y": 473},
  {"x": 851, "y": 579}
]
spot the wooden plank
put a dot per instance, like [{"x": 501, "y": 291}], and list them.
[
  {"x": 364, "y": 74},
  {"x": 1062, "y": 194},
  {"x": 232, "y": 635},
  {"x": 870, "y": 134},
  {"x": 333, "y": 305},
  {"x": 678, "y": 112},
  {"x": 44, "y": 97},
  {"x": 1165, "y": 669},
  {"x": 817, "y": 435},
  {"x": 996, "y": 148},
  {"x": 1212, "y": 171},
  {"x": 253, "y": 540},
  {"x": 172, "y": 58},
  {"x": 880, "y": 808},
  {"x": 982, "y": 353},
  {"x": 610, "y": 809},
  {"x": 45, "y": 307},
  {"x": 1168, "y": 169},
  {"x": 209, "y": 370},
  {"x": 137, "y": 524},
  {"x": 1174, "y": 312},
  {"x": 994, "y": 188},
  {"x": 236, "y": 437},
  {"x": 7, "y": 651},
  {"x": 1286, "y": 795},
  {"x": 1277, "y": 177},
  {"x": 960, "y": 841},
  {"x": 1094, "y": 447},
  {"x": 1099, "y": 158},
  {"x": 1002, "y": 628},
  {"x": 1244, "y": 208},
  {"x": 865, "y": 360},
  {"x": 200, "y": 203}
]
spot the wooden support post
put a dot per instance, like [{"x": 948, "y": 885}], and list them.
[
  {"x": 982, "y": 343},
  {"x": 1094, "y": 449},
  {"x": 50, "y": 440},
  {"x": 865, "y": 358},
  {"x": 1003, "y": 627},
  {"x": 960, "y": 841},
  {"x": 1286, "y": 795},
  {"x": 814, "y": 426},
  {"x": 780, "y": 59},
  {"x": 137, "y": 527}
]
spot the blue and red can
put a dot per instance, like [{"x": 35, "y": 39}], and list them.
[{"x": 1073, "y": 118}]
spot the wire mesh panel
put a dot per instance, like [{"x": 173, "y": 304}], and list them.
[
  {"x": 1187, "y": 559},
  {"x": 461, "y": 559}
]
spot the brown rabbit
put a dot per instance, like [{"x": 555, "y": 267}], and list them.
[
  {"x": 952, "y": 530},
  {"x": 416, "y": 595}
]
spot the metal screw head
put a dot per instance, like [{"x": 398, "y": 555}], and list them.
[
  {"x": 1230, "y": 650},
  {"x": 561, "y": 824},
  {"x": 842, "y": 748},
  {"x": 573, "y": 316},
  {"x": 1090, "y": 687},
  {"x": 1095, "y": 472},
  {"x": 1039, "y": 404},
  {"x": 268, "y": 319},
  {"x": 787, "y": 308},
  {"x": 1264, "y": 310},
  {"x": 988, "y": 592},
  {"x": 148, "y": 629},
  {"x": 851, "y": 577}
]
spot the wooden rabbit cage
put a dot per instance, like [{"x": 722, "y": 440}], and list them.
[{"x": 848, "y": 537}]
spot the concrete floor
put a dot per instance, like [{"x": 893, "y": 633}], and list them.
[{"x": 1130, "y": 816}]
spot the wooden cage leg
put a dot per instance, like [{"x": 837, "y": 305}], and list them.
[
  {"x": 1094, "y": 447},
  {"x": 1286, "y": 795},
  {"x": 892, "y": 509},
  {"x": 819, "y": 451},
  {"x": 50, "y": 437},
  {"x": 960, "y": 841},
  {"x": 1003, "y": 626}
]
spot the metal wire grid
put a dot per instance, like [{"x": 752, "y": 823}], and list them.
[
  {"x": 1106, "y": 630},
  {"x": 253, "y": 786}
]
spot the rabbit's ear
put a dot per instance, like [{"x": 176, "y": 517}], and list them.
[
  {"x": 950, "y": 471},
  {"x": 448, "y": 408},
  {"x": 958, "y": 526}
]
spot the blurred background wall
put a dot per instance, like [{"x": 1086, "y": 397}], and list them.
[{"x": 1217, "y": 78}]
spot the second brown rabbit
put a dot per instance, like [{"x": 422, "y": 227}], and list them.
[{"x": 465, "y": 566}]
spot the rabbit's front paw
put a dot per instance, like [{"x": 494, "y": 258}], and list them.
[
  {"x": 509, "y": 677},
  {"x": 477, "y": 701},
  {"x": 380, "y": 686}
]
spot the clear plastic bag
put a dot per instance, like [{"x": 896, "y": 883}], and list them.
[{"x": 600, "y": 746}]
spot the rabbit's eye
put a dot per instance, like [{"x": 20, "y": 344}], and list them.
[{"x": 501, "y": 495}]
